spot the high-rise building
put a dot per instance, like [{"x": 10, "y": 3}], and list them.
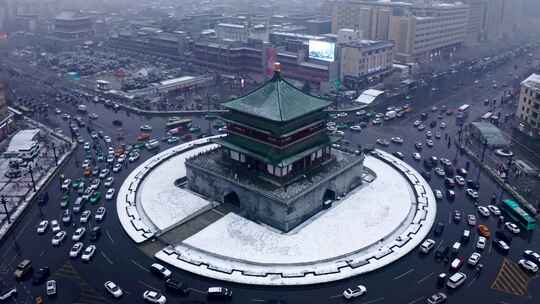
[
  {"x": 528, "y": 111},
  {"x": 477, "y": 19},
  {"x": 502, "y": 18},
  {"x": 369, "y": 18},
  {"x": 365, "y": 60}
]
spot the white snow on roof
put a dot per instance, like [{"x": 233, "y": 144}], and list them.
[
  {"x": 178, "y": 80},
  {"x": 368, "y": 96},
  {"x": 24, "y": 140},
  {"x": 532, "y": 82},
  {"x": 374, "y": 210}
]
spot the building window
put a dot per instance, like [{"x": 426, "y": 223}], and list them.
[
  {"x": 270, "y": 169},
  {"x": 235, "y": 155}
]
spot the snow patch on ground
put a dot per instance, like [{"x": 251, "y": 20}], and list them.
[{"x": 362, "y": 219}]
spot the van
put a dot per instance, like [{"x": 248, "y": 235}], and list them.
[
  {"x": 456, "y": 280},
  {"x": 152, "y": 144}
]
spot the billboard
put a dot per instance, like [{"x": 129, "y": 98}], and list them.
[{"x": 322, "y": 50}]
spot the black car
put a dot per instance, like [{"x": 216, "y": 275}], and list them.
[
  {"x": 503, "y": 235},
  {"x": 41, "y": 275},
  {"x": 449, "y": 182},
  {"x": 472, "y": 184},
  {"x": 95, "y": 233},
  {"x": 502, "y": 246},
  {"x": 176, "y": 287},
  {"x": 219, "y": 293},
  {"x": 442, "y": 253},
  {"x": 439, "y": 229}
]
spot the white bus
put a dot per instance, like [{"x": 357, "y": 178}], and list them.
[{"x": 463, "y": 108}]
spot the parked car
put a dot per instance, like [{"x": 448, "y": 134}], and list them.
[
  {"x": 427, "y": 245},
  {"x": 88, "y": 253},
  {"x": 151, "y": 296},
  {"x": 58, "y": 238},
  {"x": 8, "y": 293},
  {"x": 113, "y": 289},
  {"x": 502, "y": 246},
  {"x": 85, "y": 216},
  {"x": 55, "y": 227},
  {"x": 160, "y": 270},
  {"x": 474, "y": 259},
  {"x": 528, "y": 265},
  {"x": 481, "y": 242},
  {"x": 176, "y": 287},
  {"x": 51, "y": 288},
  {"x": 23, "y": 268},
  {"x": 354, "y": 292},
  {"x": 471, "y": 220},
  {"x": 100, "y": 214},
  {"x": 483, "y": 211},
  {"x": 76, "y": 250},
  {"x": 512, "y": 227},
  {"x": 456, "y": 280},
  {"x": 42, "y": 227},
  {"x": 531, "y": 255},
  {"x": 437, "y": 298}
]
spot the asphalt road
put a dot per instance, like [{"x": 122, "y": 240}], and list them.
[{"x": 411, "y": 279}]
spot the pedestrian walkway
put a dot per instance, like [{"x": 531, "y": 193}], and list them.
[{"x": 511, "y": 279}]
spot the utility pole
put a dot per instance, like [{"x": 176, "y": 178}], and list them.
[
  {"x": 4, "y": 202},
  {"x": 54, "y": 153},
  {"x": 31, "y": 171}
]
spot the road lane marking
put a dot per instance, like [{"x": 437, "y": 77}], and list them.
[
  {"x": 425, "y": 278},
  {"x": 42, "y": 253},
  {"x": 140, "y": 266},
  {"x": 218, "y": 212},
  {"x": 403, "y": 274},
  {"x": 106, "y": 257},
  {"x": 147, "y": 285},
  {"x": 258, "y": 300},
  {"x": 440, "y": 244},
  {"x": 416, "y": 300},
  {"x": 109, "y": 235}
]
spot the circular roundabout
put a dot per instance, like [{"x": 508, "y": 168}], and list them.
[{"x": 373, "y": 225}]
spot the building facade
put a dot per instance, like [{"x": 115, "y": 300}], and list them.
[
  {"x": 502, "y": 18},
  {"x": 236, "y": 32},
  {"x": 528, "y": 112},
  {"x": 365, "y": 60},
  {"x": 431, "y": 30},
  {"x": 6, "y": 118}
]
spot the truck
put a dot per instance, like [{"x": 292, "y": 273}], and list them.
[{"x": 390, "y": 115}]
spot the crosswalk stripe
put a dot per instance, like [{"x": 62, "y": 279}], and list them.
[{"x": 511, "y": 279}]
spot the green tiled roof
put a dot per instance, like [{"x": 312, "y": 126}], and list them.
[{"x": 277, "y": 100}]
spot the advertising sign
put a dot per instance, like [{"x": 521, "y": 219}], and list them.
[{"x": 322, "y": 50}]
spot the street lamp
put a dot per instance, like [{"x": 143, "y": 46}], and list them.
[
  {"x": 31, "y": 172},
  {"x": 54, "y": 153}
]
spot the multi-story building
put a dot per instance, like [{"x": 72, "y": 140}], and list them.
[
  {"x": 73, "y": 26},
  {"x": 431, "y": 30},
  {"x": 477, "y": 19},
  {"x": 229, "y": 31},
  {"x": 6, "y": 118},
  {"x": 165, "y": 44},
  {"x": 365, "y": 60},
  {"x": 503, "y": 18},
  {"x": 528, "y": 112}
]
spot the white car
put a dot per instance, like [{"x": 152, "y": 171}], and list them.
[
  {"x": 512, "y": 227},
  {"x": 108, "y": 181},
  {"x": 85, "y": 216},
  {"x": 86, "y": 163},
  {"x": 66, "y": 184},
  {"x": 427, "y": 245},
  {"x": 51, "y": 287},
  {"x": 354, "y": 292},
  {"x": 473, "y": 194},
  {"x": 356, "y": 128},
  {"x": 443, "y": 125},
  {"x": 459, "y": 180},
  {"x": 474, "y": 259},
  {"x": 528, "y": 265},
  {"x": 154, "y": 297},
  {"x": 113, "y": 289},
  {"x": 481, "y": 243},
  {"x": 58, "y": 238},
  {"x": 100, "y": 214},
  {"x": 456, "y": 280},
  {"x": 110, "y": 194},
  {"x": 55, "y": 227},
  {"x": 76, "y": 249},
  {"x": 107, "y": 139},
  {"x": 78, "y": 234},
  {"x": 397, "y": 140},
  {"x": 483, "y": 211},
  {"x": 416, "y": 156},
  {"x": 42, "y": 227},
  {"x": 494, "y": 209},
  {"x": 110, "y": 159},
  {"x": 438, "y": 194},
  {"x": 117, "y": 168},
  {"x": 417, "y": 123},
  {"x": 103, "y": 173},
  {"x": 88, "y": 253}
]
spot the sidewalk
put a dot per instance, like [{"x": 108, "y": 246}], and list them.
[{"x": 20, "y": 194}]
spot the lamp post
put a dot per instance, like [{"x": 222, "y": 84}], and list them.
[
  {"x": 484, "y": 146},
  {"x": 54, "y": 153},
  {"x": 4, "y": 202},
  {"x": 31, "y": 172}
]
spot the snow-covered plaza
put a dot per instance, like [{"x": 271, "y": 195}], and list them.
[{"x": 372, "y": 226}]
